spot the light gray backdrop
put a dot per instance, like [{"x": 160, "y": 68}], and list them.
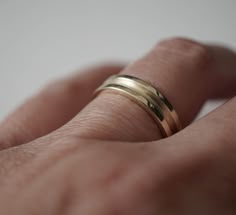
[{"x": 41, "y": 40}]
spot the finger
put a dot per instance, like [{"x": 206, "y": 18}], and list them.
[
  {"x": 55, "y": 105},
  {"x": 197, "y": 163},
  {"x": 222, "y": 72},
  {"x": 217, "y": 129},
  {"x": 186, "y": 72}
]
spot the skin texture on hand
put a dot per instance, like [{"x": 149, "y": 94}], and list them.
[{"x": 63, "y": 152}]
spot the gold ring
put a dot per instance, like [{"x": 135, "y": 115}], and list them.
[{"x": 149, "y": 98}]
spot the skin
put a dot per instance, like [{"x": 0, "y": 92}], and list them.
[{"x": 65, "y": 152}]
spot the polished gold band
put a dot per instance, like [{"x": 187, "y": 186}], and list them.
[{"x": 149, "y": 98}]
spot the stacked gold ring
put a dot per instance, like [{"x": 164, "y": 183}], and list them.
[{"x": 149, "y": 98}]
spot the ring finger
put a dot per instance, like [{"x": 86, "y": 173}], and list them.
[{"x": 186, "y": 72}]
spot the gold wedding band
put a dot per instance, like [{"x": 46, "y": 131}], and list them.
[{"x": 149, "y": 98}]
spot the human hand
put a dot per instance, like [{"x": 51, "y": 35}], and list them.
[{"x": 61, "y": 154}]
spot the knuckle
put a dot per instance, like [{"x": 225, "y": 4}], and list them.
[
  {"x": 177, "y": 42},
  {"x": 187, "y": 49}
]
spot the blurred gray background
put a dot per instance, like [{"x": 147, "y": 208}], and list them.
[{"x": 42, "y": 40}]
